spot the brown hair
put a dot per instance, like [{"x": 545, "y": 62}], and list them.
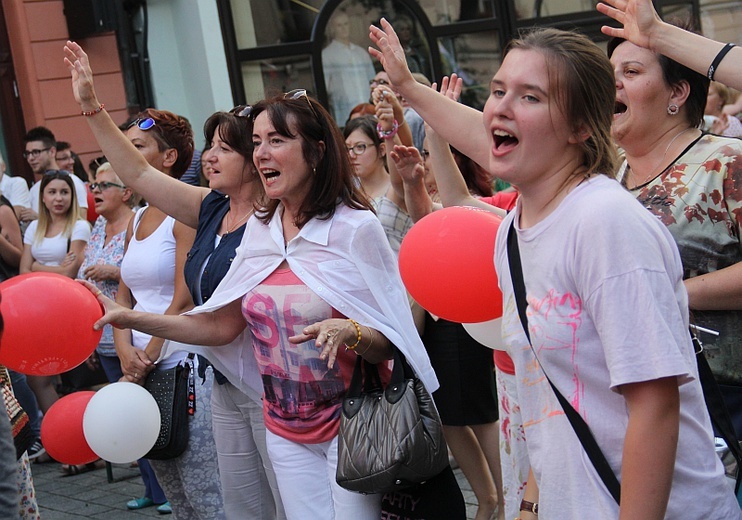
[
  {"x": 171, "y": 131},
  {"x": 333, "y": 181},
  {"x": 581, "y": 77},
  {"x": 674, "y": 72}
]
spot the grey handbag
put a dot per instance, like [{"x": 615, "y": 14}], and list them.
[{"x": 388, "y": 439}]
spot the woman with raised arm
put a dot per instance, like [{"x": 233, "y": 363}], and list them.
[
  {"x": 642, "y": 26},
  {"x": 690, "y": 181},
  {"x": 219, "y": 214},
  {"x": 592, "y": 261},
  {"x": 313, "y": 275}
]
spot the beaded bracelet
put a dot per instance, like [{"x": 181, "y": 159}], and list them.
[
  {"x": 358, "y": 335},
  {"x": 387, "y": 134},
  {"x": 93, "y": 112},
  {"x": 717, "y": 60}
]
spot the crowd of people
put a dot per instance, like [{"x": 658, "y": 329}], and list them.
[{"x": 272, "y": 271}]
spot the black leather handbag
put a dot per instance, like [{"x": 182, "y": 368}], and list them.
[
  {"x": 389, "y": 438},
  {"x": 172, "y": 390}
]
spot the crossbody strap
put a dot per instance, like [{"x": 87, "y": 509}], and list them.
[
  {"x": 589, "y": 444},
  {"x": 718, "y": 412}
]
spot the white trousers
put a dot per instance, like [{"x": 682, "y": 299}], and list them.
[
  {"x": 306, "y": 478},
  {"x": 248, "y": 482}
]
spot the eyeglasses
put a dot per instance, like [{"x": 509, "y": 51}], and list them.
[
  {"x": 104, "y": 185},
  {"x": 35, "y": 152},
  {"x": 358, "y": 149},
  {"x": 145, "y": 123},
  {"x": 63, "y": 173},
  {"x": 300, "y": 93},
  {"x": 376, "y": 82}
]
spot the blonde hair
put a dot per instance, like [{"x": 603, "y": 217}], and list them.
[
  {"x": 135, "y": 198},
  {"x": 73, "y": 213}
]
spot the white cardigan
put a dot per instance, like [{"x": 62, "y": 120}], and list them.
[{"x": 346, "y": 260}]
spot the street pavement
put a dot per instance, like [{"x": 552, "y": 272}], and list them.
[{"x": 90, "y": 495}]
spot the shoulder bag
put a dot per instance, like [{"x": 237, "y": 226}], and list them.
[
  {"x": 174, "y": 392},
  {"x": 388, "y": 439},
  {"x": 589, "y": 444}
]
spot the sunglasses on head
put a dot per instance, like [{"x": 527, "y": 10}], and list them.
[
  {"x": 144, "y": 123},
  {"x": 297, "y": 93}
]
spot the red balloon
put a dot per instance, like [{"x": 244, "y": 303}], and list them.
[
  {"x": 48, "y": 323},
  {"x": 92, "y": 215},
  {"x": 61, "y": 430},
  {"x": 447, "y": 263}
]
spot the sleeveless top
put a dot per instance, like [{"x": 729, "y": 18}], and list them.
[{"x": 148, "y": 269}]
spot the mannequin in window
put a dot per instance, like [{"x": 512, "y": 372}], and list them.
[{"x": 347, "y": 68}]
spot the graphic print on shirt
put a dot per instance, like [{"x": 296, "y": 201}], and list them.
[
  {"x": 301, "y": 394},
  {"x": 555, "y": 344}
]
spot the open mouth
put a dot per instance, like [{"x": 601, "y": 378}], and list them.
[
  {"x": 504, "y": 139},
  {"x": 270, "y": 176},
  {"x": 98, "y": 200},
  {"x": 620, "y": 108}
]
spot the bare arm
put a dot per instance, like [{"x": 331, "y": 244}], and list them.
[
  {"x": 719, "y": 290},
  {"x": 177, "y": 199},
  {"x": 643, "y": 26},
  {"x": 69, "y": 266},
  {"x": 451, "y": 184},
  {"x": 460, "y": 125},
  {"x": 213, "y": 328},
  {"x": 647, "y": 467},
  {"x": 409, "y": 167},
  {"x": 11, "y": 242},
  {"x": 182, "y": 297}
]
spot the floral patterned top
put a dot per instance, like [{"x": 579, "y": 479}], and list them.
[
  {"x": 699, "y": 199},
  {"x": 100, "y": 253}
]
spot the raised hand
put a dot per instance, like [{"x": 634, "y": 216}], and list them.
[
  {"x": 450, "y": 87},
  {"x": 638, "y": 17},
  {"x": 390, "y": 53},
  {"x": 82, "y": 76},
  {"x": 409, "y": 163}
]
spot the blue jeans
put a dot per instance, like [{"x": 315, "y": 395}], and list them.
[{"x": 27, "y": 400}]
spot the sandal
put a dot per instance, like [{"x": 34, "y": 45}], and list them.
[{"x": 69, "y": 470}]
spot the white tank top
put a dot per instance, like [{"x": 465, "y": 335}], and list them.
[{"x": 148, "y": 269}]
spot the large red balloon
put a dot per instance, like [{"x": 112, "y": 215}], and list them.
[
  {"x": 48, "y": 323},
  {"x": 447, "y": 264},
  {"x": 61, "y": 430}
]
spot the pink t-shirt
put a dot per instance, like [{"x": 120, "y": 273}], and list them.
[{"x": 302, "y": 397}]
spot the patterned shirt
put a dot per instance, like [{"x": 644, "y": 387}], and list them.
[
  {"x": 100, "y": 253},
  {"x": 699, "y": 199},
  {"x": 394, "y": 220}
]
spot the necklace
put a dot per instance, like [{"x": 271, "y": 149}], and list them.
[
  {"x": 652, "y": 173},
  {"x": 235, "y": 224}
]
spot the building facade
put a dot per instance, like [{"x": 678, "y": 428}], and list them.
[{"x": 194, "y": 57}]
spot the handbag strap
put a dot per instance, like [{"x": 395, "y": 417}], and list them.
[
  {"x": 589, "y": 444},
  {"x": 717, "y": 409},
  {"x": 366, "y": 375}
]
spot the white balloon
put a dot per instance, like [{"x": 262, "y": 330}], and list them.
[
  {"x": 488, "y": 333},
  {"x": 121, "y": 422}
]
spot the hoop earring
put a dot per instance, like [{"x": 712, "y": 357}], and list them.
[{"x": 673, "y": 109}]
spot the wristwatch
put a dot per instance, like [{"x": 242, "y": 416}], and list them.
[{"x": 531, "y": 507}]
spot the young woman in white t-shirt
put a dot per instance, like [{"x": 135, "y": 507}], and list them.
[{"x": 54, "y": 244}]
